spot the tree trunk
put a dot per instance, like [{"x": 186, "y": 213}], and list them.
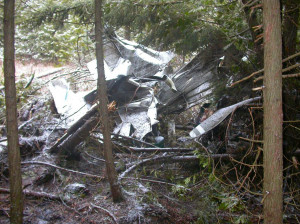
[
  {"x": 104, "y": 116},
  {"x": 272, "y": 112},
  {"x": 15, "y": 179}
]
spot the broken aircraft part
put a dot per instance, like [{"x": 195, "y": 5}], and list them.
[
  {"x": 132, "y": 72},
  {"x": 69, "y": 104},
  {"x": 127, "y": 67},
  {"x": 215, "y": 119}
]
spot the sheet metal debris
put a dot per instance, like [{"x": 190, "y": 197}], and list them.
[
  {"x": 131, "y": 71},
  {"x": 69, "y": 104}
]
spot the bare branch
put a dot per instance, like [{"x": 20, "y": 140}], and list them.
[{"x": 262, "y": 70}]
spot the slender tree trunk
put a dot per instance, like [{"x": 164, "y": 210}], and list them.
[
  {"x": 272, "y": 113},
  {"x": 15, "y": 180},
  {"x": 104, "y": 116}
]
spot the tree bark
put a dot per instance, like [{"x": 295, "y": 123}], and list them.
[
  {"x": 104, "y": 115},
  {"x": 273, "y": 165},
  {"x": 15, "y": 179},
  {"x": 67, "y": 148}
]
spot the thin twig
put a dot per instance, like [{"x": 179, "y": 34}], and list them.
[
  {"x": 246, "y": 78},
  {"x": 296, "y": 121},
  {"x": 283, "y": 76},
  {"x": 251, "y": 169},
  {"x": 50, "y": 73},
  {"x": 291, "y": 57},
  {"x": 251, "y": 140},
  {"x": 93, "y": 157}
]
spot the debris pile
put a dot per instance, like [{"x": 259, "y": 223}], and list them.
[{"x": 142, "y": 88}]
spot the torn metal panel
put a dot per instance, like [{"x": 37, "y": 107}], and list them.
[
  {"x": 139, "y": 119},
  {"x": 215, "y": 119},
  {"x": 193, "y": 82},
  {"x": 146, "y": 62},
  {"x": 122, "y": 67},
  {"x": 124, "y": 129},
  {"x": 123, "y": 57},
  {"x": 69, "y": 104},
  {"x": 131, "y": 72},
  {"x": 141, "y": 115},
  {"x": 127, "y": 66},
  {"x": 196, "y": 80}
]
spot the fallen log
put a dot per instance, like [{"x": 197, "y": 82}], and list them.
[
  {"x": 171, "y": 158},
  {"x": 76, "y": 127},
  {"x": 68, "y": 146},
  {"x": 35, "y": 194},
  {"x": 135, "y": 149}
]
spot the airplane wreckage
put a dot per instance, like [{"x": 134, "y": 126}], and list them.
[{"x": 142, "y": 84}]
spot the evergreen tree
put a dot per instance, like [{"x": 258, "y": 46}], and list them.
[
  {"x": 273, "y": 156},
  {"x": 15, "y": 179},
  {"x": 103, "y": 101}
]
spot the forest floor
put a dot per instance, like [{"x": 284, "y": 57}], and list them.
[{"x": 159, "y": 192}]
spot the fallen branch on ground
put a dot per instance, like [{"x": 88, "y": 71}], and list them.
[
  {"x": 106, "y": 212},
  {"x": 171, "y": 158},
  {"x": 78, "y": 124},
  {"x": 50, "y": 73},
  {"x": 35, "y": 194},
  {"x": 152, "y": 181},
  {"x": 61, "y": 168},
  {"x": 134, "y": 139}
]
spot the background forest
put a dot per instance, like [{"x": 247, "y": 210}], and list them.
[{"x": 221, "y": 177}]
